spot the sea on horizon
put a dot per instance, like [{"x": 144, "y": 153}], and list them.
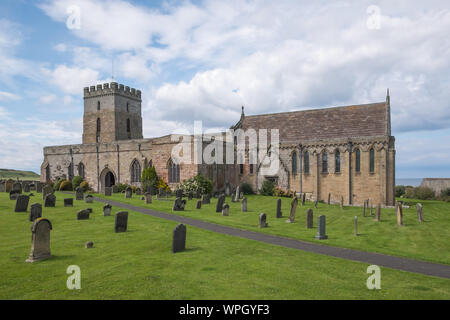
[{"x": 414, "y": 182}]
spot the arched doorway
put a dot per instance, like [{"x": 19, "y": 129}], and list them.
[{"x": 107, "y": 179}]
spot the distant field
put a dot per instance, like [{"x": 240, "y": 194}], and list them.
[{"x": 14, "y": 174}]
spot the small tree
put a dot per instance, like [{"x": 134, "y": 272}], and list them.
[
  {"x": 267, "y": 188},
  {"x": 149, "y": 178},
  {"x": 400, "y": 191}
]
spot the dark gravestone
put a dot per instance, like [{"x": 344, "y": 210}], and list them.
[
  {"x": 26, "y": 188},
  {"x": 315, "y": 204},
  {"x": 279, "y": 213},
  {"x": 22, "y": 203},
  {"x": 89, "y": 209},
  {"x": 46, "y": 191},
  {"x": 107, "y": 210},
  {"x": 35, "y": 211},
  {"x": 197, "y": 194},
  {"x": 294, "y": 203},
  {"x": 17, "y": 186},
  {"x": 199, "y": 204},
  {"x": 138, "y": 191},
  {"x": 89, "y": 199},
  {"x": 190, "y": 195},
  {"x": 309, "y": 219},
  {"x": 329, "y": 198},
  {"x": 89, "y": 245},
  {"x": 356, "y": 225},
  {"x": 303, "y": 198},
  {"x": 39, "y": 187},
  {"x": 225, "y": 210},
  {"x": 179, "y": 238},
  {"x": 244, "y": 205},
  {"x": 14, "y": 194},
  {"x": 364, "y": 208},
  {"x": 2, "y": 186},
  {"x": 148, "y": 197},
  {"x": 50, "y": 200},
  {"x": 321, "y": 235},
  {"x": 263, "y": 221},
  {"x": 108, "y": 191},
  {"x": 220, "y": 203},
  {"x": 40, "y": 240},
  {"x": 179, "y": 193},
  {"x": 121, "y": 221},
  {"x": 378, "y": 213},
  {"x": 178, "y": 204},
  {"x": 83, "y": 214},
  {"x": 79, "y": 193},
  {"x": 115, "y": 189},
  {"x": 128, "y": 193},
  {"x": 206, "y": 199},
  {"x": 419, "y": 212},
  {"x": 68, "y": 202}
]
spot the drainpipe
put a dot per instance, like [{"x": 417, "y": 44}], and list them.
[
  {"x": 98, "y": 168},
  {"x": 118, "y": 165},
  {"x": 350, "y": 187}
]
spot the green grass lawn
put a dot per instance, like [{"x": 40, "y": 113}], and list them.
[
  {"x": 428, "y": 241},
  {"x": 138, "y": 264}
]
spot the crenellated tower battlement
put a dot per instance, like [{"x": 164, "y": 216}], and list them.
[{"x": 112, "y": 88}]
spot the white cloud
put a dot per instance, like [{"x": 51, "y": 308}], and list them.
[
  {"x": 71, "y": 80},
  {"x": 8, "y": 96},
  {"x": 47, "y": 99}
]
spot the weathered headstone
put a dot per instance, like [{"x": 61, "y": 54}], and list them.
[
  {"x": 244, "y": 205},
  {"x": 39, "y": 187},
  {"x": 83, "y": 214},
  {"x": 114, "y": 189},
  {"x": 108, "y": 191},
  {"x": 199, "y": 204},
  {"x": 35, "y": 211},
  {"x": 17, "y": 186},
  {"x": 315, "y": 203},
  {"x": 309, "y": 219},
  {"x": 303, "y": 198},
  {"x": 22, "y": 203},
  {"x": 179, "y": 204},
  {"x": 321, "y": 235},
  {"x": 263, "y": 221},
  {"x": 279, "y": 213},
  {"x": 50, "y": 200},
  {"x": 179, "y": 193},
  {"x": 47, "y": 190},
  {"x": 206, "y": 199},
  {"x": 107, "y": 210},
  {"x": 40, "y": 240},
  {"x": 356, "y": 225},
  {"x": 89, "y": 245},
  {"x": 233, "y": 199},
  {"x": 8, "y": 186},
  {"x": 241, "y": 195},
  {"x": 26, "y": 188},
  {"x": 14, "y": 194},
  {"x": 399, "y": 214},
  {"x": 378, "y": 213},
  {"x": 329, "y": 198},
  {"x": 121, "y": 223},
  {"x": 148, "y": 197},
  {"x": 419, "y": 212},
  {"x": 138, "y": 191},
  {"x": 179, "y": 238},
  {"x": 79, "y": 193},
  {"x": 294, "y": 203},
  {"x": 2, "y": 186},
  {"x": 89, "y": 198},
  {"x": 342, "y": 203},
  {"x": 68, "y": 202},
  {"x": 225, "y": 210},
  {"x": 237, "y": 194},
  {"x": 220, "y": 203},
  {"x": 128, "y": 193}
]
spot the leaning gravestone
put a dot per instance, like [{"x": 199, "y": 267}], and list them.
[
  {"x": 199, "y": 204},
  {"x": 68, "y": 202},
  {"x": 262, "y": 220},
  {"x": 419, "y": 212},
  {"x": 244, "y": 205},
  {"x": 399, "y": 214},
  {"x": 378, "y": 213},
  {"x": 22, "y": 203},
  {"x": 40, "y": 240},
  {"x": 225, "y": 210},
  {"x": 89, "y": 198},
  {"x": 83, "y": 214},
  {"x": 148, "y": 197},
  {"x": 128, "y": 193},
  {"x": 121, "y": 223},
  {"x": 26, "y": 188},
  {"x": 220, "y": 203},
  {"x": 179, "y": 238},
  {"x": 35, "y": 211},
  {"x": 179, "y": 193},
  {"x": 14, "y": 194},
  {"x": 303, "y": 198},
  {"x": 294, "y": 203},
  {"x": 279, "y": 213},
  {"x": 47, "y": 190},
  {"x": 309, "y": 219},
  {"x": 321, "y": 228},
  {"x": 108, "y": 191},
  {"x": 107, "y": 210},
  {"x": 178, "y": 204},
  {"x": 236, "y": 197},
  {"x": 79, "y": 193},
  {"x": 50, "y": 200}
]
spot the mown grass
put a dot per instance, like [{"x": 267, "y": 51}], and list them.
[
  {"x": 428, "y": 241},
  {"x": 138, "y": 264}
]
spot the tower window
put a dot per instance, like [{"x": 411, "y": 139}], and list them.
[
  {"x": 324, "y": 162},
  {"x": 358, "y": 161},
  {"x": 306, "y": 162},
  {"x": 135, "y": 171},
  {"x": 128, "y": 107},
  {"x": 337, "y": 162},
  {"x": 372, "y": 160},
  {"x": 128, "y": 125}
]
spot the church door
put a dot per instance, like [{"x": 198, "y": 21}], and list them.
[{"x": 109, "y": 180}]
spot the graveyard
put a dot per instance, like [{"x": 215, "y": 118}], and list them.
[{"x": 139, "y": 263}]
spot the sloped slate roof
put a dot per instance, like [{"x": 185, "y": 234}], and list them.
[{"x": 365, "y": 120}]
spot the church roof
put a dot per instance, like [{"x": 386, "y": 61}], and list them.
[{"x": 364, "y": 120}]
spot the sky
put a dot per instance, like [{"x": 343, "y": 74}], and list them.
[{"x": 203, "y": 60}]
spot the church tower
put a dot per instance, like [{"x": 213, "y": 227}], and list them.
[{"x": 112, "y": 112}]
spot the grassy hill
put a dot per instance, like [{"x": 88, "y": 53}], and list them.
[{"x": 14, "y": 174}]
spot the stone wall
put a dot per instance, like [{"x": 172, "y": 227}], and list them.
[{"x": 436, "y": 184}]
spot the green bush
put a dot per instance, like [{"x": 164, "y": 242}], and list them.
[
  {"x": 85, "y": 186},
  {"x": 76, "y": 182},
  {"x": 267, "y": 188},
  {"x": 57, "y": 185},
  {"x": 400, "y": 191},
  {"x": 421, "y": 193},
  {"x": 246, "y": 188},
  {"x": 445, "y": 195},
  {"x": 121, "y": 187},
  {"x": 199, "y": 182},
  {"x": 65, "y": 186},
  {"x": 149, "y": 178}
]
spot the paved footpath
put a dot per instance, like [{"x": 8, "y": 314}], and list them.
[{"x": 405, "y": 264}]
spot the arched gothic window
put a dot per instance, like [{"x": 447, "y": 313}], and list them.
[
  {"x": 174, "y": 172},
  {"x": 251, "y": 168},
  {"x": 324, "y": 162},
  {"x": 294, "y": 163},
  {"x": 337, "y": 158},
  {"x": 81, "y": 170},
  {"x": 372, "y": 160},
  {"x": 358, "y": 160},
  {"x": 135, "y": 171},
  {"x": 306, "y": 162}
]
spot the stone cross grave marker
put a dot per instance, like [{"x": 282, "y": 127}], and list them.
[
  {"x": 321, "y": 234},
  {"x": 121, "y": 222},
  {"x": 179, "y": 238},
  {"x": 40, "y": 240}
]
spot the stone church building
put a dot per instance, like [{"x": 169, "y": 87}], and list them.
[{"x": 338, "y": 152}]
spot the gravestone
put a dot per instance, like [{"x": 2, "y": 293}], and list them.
[
  {"x": 190, "y": 195},
  {"x": 419, "y": 212},
  {"x": 17, "y": 186},
  {"x": 321, "y": 228},
  {"x": 35, "y": 211},
  {"x": 121, "y": 223},
  {"x": 89, "y": 199},
  {"x": 227, "y": 190},
  {"x": 13, "y": 194},
  {"x": 50, "y": 200},
  {"x": 148, "y": 197},
  {"x": 329, "y": 198},
  {"x": 241, "y": 195},
  {"x": 179, "y": 193},
  {"x": 220, "y": 203},
  {"x": 315, "y": 204},
  {"x": 294, "y": 203},
  {"x": 279, "y": 213},
  {"x": 128, "y": 193},
  {"x": 263, "y": 221},
  {"x": 47, "y": 190},
  {"x": 342, "y": 203},
  {"x": 83, "y": 214},
  {"x": 356, "y": 225},
  {"x": 89, "y": 209},
  {"x": 151, "y": 190},
  {"x": 378, "y": 213},
  {"x": 115, "y": 189},
  {"x": 40, "y": 240},
  {"x": 108, "y": 191},
  {"x": 178, "y": 204},
  {"x": 22, "y": 203},
  {"x": 89, "y": 245},
  {"x": 79, "y": 193},
  {"x": 39, "y": 187},
  {"x": 225, "y": 210},
  {"x": 233, "y": 199},
  {"x": 179, "y": 238},
  {"x": 2, "y": 186},
  {"x": 399, "y": 214},
  {"x": 237, "y": 194},
  {"x": 309, "y": 219},
  {"x": 138, "y": 191},
  {"x": 303, "y": 198},
  {"x": 199, "y": 204},
  {"x": 197, "y": 194},
  {"x": 107, "y": 210},
  {"x": 26, "y": 188},
  {"x": 206, "y": 199},
  {"x": 244, "y": 205},
  {"x": 8, "y": 186},
  {"x": 68, "y": 202}
]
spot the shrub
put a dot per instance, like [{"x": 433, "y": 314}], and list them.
[
  {"x": 278, "y": 192},
  {"x": 199, "y": 182},
  {"x": 66, "y": 185},
  {"x": 400, "y": 191},
  {"x": 58, "y": 184},
  {"x": 76, "y": 182},
  {"x": 246, "y": 188},
  {"x": 149, "y": 178},
  {"x": 84, "y": 185},
  {"x": 163, "y": 185},
  {"x": 133, "y": 189},
  {"x": 445, "y": 195},
  {"x": 267, "y": 188},
  {"x": 421, "y": 193},
  {"x": 121, "y": 187}
]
